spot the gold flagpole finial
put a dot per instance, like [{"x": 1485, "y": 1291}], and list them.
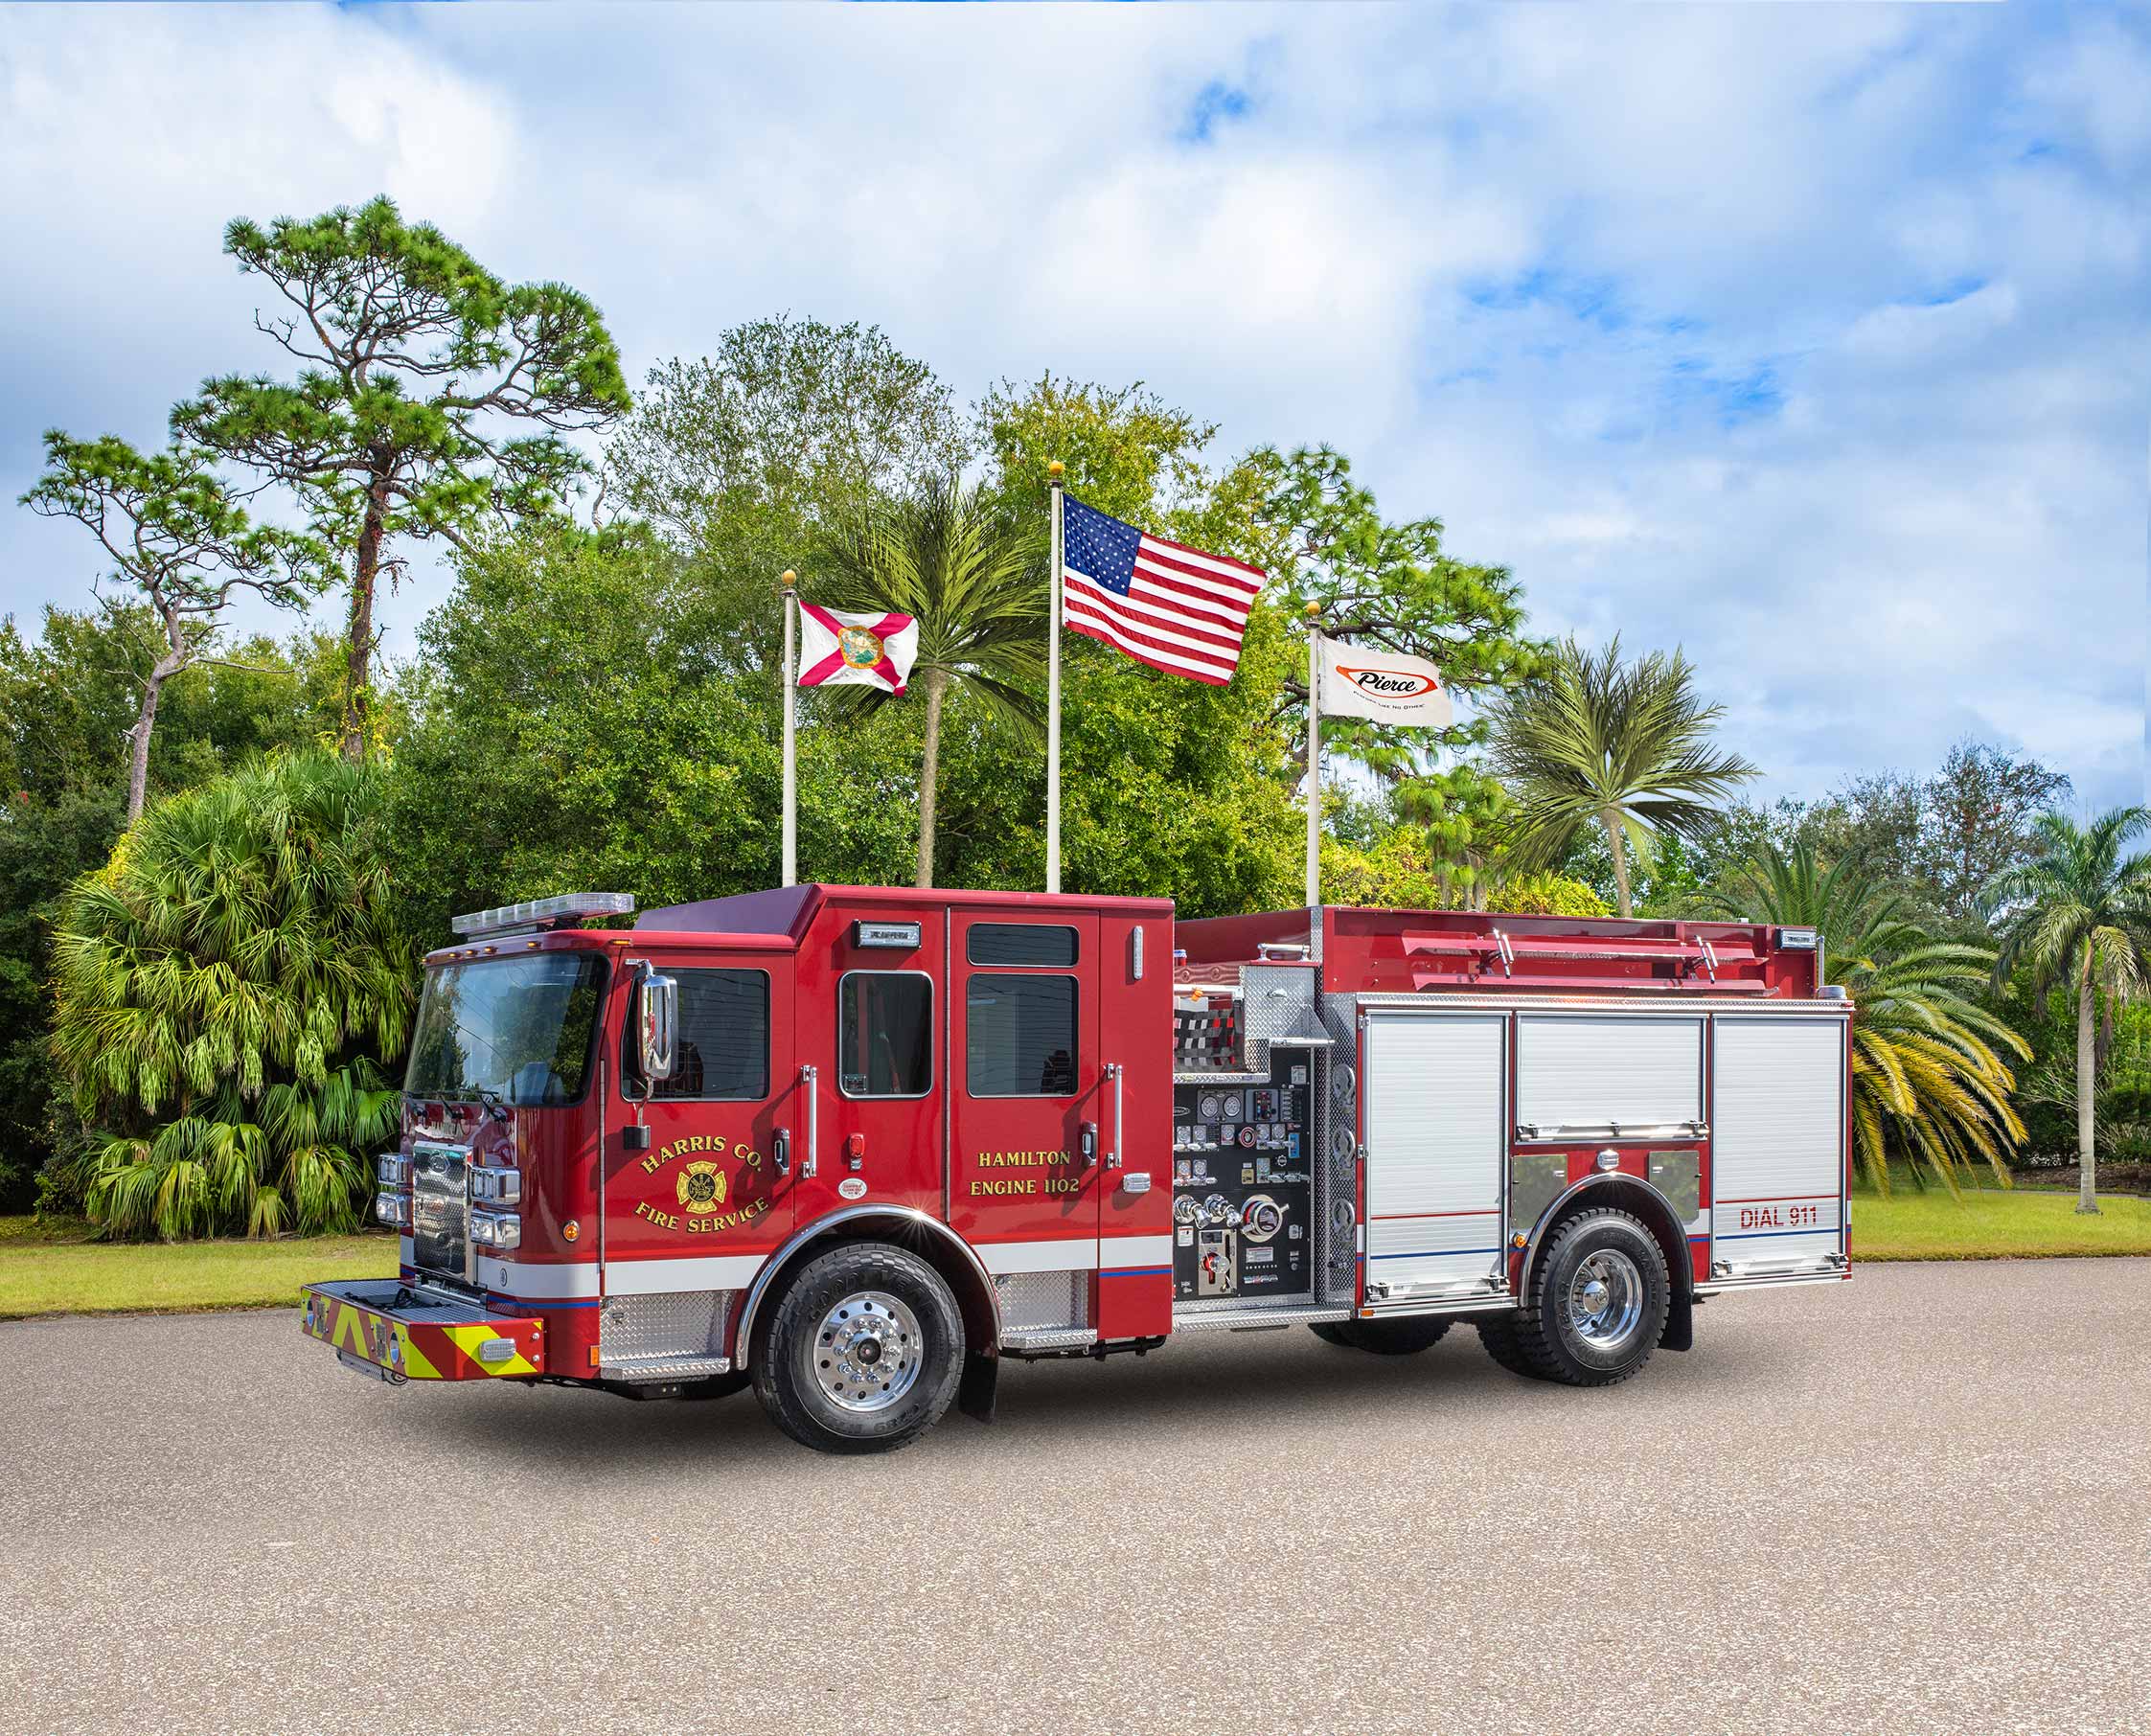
[
  {"x": 1054, "y": 469},
  {"x": 789, "y": 578},
  {"x": 1313, "y": 609}
]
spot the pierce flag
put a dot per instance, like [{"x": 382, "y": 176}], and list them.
[
  {"x": 1385, "y": 686},
  {"x": 841, "y": 648}
]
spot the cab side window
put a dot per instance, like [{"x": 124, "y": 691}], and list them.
[
  {"x": 722, "y": 1051},
  {"x": 884, "y": 1034},
  {"x": 1019, "y": 1035}
]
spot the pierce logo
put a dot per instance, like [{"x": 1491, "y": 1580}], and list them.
[{"x": 1390, "y": 683}]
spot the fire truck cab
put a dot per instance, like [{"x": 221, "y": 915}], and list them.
[{"x": 854, "y": 1145}]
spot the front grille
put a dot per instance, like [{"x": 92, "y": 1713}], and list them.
[{"x": 440, "y": 1208}]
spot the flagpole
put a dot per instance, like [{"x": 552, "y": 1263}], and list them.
[
  {"x": 790, "y": 583},
  {"x": 1314, "y": 757},
  {"x": 1053, "y": 697}
]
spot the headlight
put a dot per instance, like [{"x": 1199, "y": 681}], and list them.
[
  {"x": 497, "y": 1187},
  {"x": 392, "y": 1171}
]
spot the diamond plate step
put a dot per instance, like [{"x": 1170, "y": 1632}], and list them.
[
  {"x": 666, "y": 1368},
  {"x": 1047, "y": 1337}
]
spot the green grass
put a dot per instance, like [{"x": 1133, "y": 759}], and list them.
[
  {"x": 54, "y": 1270},
  {"x": 1992, "y": 1223}
]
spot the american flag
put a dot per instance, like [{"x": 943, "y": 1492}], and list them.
[{"x": 1163, "y": 603}]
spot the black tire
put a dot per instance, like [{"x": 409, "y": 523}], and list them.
[
  {"x": 1551, "y": 1332},
  {"x": 799, "y": 1386},
  {"x": 1405, "y": 1337},
  {"x": 1333, "y": 1332},
  {"x": 1505, "y": 1345}
]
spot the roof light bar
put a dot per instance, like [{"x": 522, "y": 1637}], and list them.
[{"x": 544, "y": 912}]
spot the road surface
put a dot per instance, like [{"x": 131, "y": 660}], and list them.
[{"x": 1921, "y": 1502}]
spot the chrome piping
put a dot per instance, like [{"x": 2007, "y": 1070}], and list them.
[
  {"x": 909, "y": 1216},
  {"x": 1115, "y": 1072},
  {"x": 1685, "y": 1277}
]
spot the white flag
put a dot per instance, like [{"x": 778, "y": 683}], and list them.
[
  {"x": 839, "y": 648},
  {"x": 1385, "y": 686}
]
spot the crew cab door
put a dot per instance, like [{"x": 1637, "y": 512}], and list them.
[
  {"x": 1031, "y": 1106},
  {"x": 696, "y": 1192}
]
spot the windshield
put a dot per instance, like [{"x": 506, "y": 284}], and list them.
[{"x": 516, "y": 1030}]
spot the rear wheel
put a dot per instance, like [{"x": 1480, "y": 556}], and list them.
[
  {"x": 864, "y": 1352},
  {"x": 1505, "y": 1345},
  {"x": 1598, "y": 1303},
  {"x": 1383, "y": 1338}
]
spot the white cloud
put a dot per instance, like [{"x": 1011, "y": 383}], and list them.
[{"x": 1813, "y": 341}]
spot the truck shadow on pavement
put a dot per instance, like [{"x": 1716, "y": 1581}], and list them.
[{"x": 1210, "y": 1388}]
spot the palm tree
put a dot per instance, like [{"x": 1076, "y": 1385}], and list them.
[
  {"x": 2080, "y": 914},
  {"x": 978, "y": 591},
  {"x": 1625, "y": 747},
  {"x": 1926, "y": 1075},
  {"x": 228, "y": 991}
]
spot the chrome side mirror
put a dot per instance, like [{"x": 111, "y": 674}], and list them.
[{"x": 656, "y": 1020}]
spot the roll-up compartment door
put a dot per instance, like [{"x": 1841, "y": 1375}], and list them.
[
  {"x": 1436, "y": 1136},
  {"x": 1587, "y": 1072},
  {"x": 1777, "y": 1143}
]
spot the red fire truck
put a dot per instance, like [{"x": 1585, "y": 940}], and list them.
[{"x": 854, "y": 1145}]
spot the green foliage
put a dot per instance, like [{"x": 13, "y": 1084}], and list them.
[
  {"x": 1324, "y": 539},
  {"x": 1928, "y": 1083},
  {"x": 1127, "y": 453},
  {"x": 1167, "y": 785},
  {"x": 1409, "y": 870},
  {"x": 573, "y": 725},
  {"x": 67, "y": 701},
  {"x": 181, "y": 543},
  {"x": 229, "y": 989},
  {"x": 415, "y": 365},
  {"x": 1624, "y": 747},
  {"x": 2080, "y": 915},
  {"x": 978, "y": 589}
]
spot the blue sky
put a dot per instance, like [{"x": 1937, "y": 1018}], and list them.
[{"x": 1813, "y": 341}]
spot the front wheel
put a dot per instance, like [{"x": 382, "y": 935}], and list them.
[
  {"x": 1598, "y": 1301},
  {"x": 862, "y": 1353}
]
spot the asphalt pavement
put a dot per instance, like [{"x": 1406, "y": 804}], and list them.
[{"x": 1918, "y": 1502}]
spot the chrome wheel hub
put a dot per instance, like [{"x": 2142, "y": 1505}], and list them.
[
  {"x": 864, "y": 1354},
  {"x": 1604, "y": 1302}
]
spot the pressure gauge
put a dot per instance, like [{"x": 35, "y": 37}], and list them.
[
  {"x": 1207, "y": 1108},
  {"x": 1231, "y": 1110}
]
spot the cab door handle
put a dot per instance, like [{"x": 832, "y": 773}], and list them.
[
  {"x": 1087, "y": 1143},
  {"x": 782, "y": 1150}
]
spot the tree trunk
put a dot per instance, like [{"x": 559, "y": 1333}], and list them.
[
  {"x": 2087, "y": 1092},
  {"x": 145, "y": 724},
  {"x": 929, "y": 770},
  {"x": 358, "y": 646},
  {"x": 1614, "y": 842}
]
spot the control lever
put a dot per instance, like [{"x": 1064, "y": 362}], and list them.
[
  {"x": 1087, "y": 1143},
  {"x": 783, "y": 1149}
]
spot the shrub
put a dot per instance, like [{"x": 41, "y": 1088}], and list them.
[{"x": 230, "y": 990}]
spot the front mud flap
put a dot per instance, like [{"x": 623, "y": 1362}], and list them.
[
  {"x": 407, "y": 1332},
  {"x": 976, "y": 1388}
]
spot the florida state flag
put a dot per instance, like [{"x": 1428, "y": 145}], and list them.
[{"x": 837, "y": 646}]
